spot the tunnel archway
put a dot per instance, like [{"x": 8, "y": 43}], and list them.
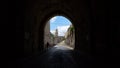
[
  {"x": 65, "y": 34},
  {"x": 31, "y": 16},
  {"x": 79, "y": 22},
  {"x": 47, "y": 17}
]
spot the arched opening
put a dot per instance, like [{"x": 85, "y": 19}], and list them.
[{"x": 59, "y": 31}]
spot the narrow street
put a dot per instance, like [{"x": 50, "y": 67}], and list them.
[{"x": 59, "y": 56}]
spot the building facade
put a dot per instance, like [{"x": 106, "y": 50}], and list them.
[
  {"x": 50, "y": 38},
  {"x": 70, "y": 36}
]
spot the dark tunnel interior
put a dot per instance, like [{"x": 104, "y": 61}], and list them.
[{"x": 96, "y": 19}]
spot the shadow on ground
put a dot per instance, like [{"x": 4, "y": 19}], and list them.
[{"x": 58, "y": 57}]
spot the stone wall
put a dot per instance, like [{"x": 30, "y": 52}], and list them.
[
  {"x": 70, "y": 36},
  {"x": 49, "y": 37},
  {"x": 47, "y": 34},
  {"x": 58, "y": 39},
  {"x": 96, "y": 19}
]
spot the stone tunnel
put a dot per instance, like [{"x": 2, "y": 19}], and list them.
[{"x": 92, "y": 18}]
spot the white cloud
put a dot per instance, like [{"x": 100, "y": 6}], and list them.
[
  {"x": 62, "y": 30},
  {"x": 53, "y": 32},
  {"x": 53, "y": 19}
]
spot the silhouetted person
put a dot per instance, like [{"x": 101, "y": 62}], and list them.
[{"x": 47, "y": 44}]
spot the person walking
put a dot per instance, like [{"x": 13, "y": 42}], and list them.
[{"x": 47, "y": 45}]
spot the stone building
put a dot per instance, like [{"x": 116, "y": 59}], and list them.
[
  {"x": 57, "y": 38},
  {"x": 60, "y": 38},
  {"x": 47, "y": 34},
  {"x": 70, "y": 36},
  {"x": 49, "y": 37}
]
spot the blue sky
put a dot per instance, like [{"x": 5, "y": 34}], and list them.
[{"x": 61, "y": 23}]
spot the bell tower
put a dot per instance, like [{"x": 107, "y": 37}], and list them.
[{"x": 56, "y": 33}]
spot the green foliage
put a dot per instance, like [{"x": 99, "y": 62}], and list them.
[
  {"x": 51, "y": 35},
  {"x": 72, "y": 28}
]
